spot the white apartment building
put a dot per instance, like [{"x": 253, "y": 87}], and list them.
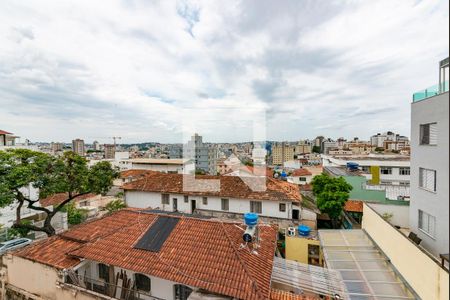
[
  {"x": 429, "y": 207},
  {"x": 393, "y": 169}
]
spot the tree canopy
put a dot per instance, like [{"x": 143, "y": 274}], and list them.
[
  {"x": 69, "y": 174},
  {"x": 331, "y": 194}
]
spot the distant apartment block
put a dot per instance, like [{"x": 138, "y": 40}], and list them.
[
  {"x": 303, "y": 147},
  {"x": 110, "y": 150},
  {"x": 282, "y": 152},
  {"x": 78, "y": 147},
  {"x": 203, "y": 156},
  {"x": 429, "y": 212},
  {"x": 56, "y": 147}
]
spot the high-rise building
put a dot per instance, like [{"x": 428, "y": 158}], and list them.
[
  {"x": 78, "y": 147},
  {"x": 96, "y": 146},
  {"x": 303, "y": 147},
  {"x": 282, "y": 152},
  {"x": 429, "y": 205},
  {"x": 56, "y": 147},
  {"x": 204, "y": 156},
  {"x": 110, "y": 151}
]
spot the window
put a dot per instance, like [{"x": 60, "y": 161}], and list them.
[
  {"x": 365, "y": 169},
  {"x": 103, "y": 272},
  {"x": 205, "y": 200},
  {"x": 302, "y": 178},
  {"x": 186, "y": 199},
  {"x": 404, "y": 171},
  {"x": 165, "y": 199},
  {"x": 428, "y": 134},
  {"x": 427, "y": 223},
  {"x": 283, "y": 207},
  {"x": 385, "y": 170},
  {"x": 427, "y": 179},
  {"x": 181, "y": 292},
  {"x": 84, "y": 203},
  {"x": 225, "y": 204},
  {"x": 143, "y": 283},
  {"x": 256, "y": 207}
]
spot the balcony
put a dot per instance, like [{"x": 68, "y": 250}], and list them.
[
  {"x": 430, "y": 92},
  {"x": 99, "y": 289}
]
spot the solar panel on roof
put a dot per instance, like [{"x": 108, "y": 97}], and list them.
[{"x": 157, "y": 234}]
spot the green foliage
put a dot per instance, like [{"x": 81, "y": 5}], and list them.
[
  {"x": 74, "y": 215},
  {"x": 68, "y": 173},
  {"x": 316, "y": 149},
  {"x": 387, "y": 216},
  {"x": 14, "y": 233},
  {"x": 115, "y": 205},
  {"x": 331, "y": 194}
]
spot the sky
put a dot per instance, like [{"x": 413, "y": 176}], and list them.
[{"x": 230, "y": 70}]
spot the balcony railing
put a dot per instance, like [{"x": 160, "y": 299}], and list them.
[
  {"x": 108, "y": 289},
  {"x": 431, "y": 91}
]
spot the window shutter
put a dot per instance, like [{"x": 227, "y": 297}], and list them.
[{"x": 433, "y": 134}]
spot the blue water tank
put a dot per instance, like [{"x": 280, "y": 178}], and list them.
[
  {"x": 304, "y": 230},
  {"x": 250, "y": 219},
  {"x": 283, "y": 174},
  {"x": 352, "y": 166}
]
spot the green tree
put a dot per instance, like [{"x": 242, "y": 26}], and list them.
[
  {"x": 14, "y": 233},
  {"x": 68, "y": 174},
  {"x": 319, "y": 182},
  {"x": 316, "y": 149},
  {"x": 74, "y": 215},
  {"x": 331, "y": 195},
  {"x": 115, "y": 205}
]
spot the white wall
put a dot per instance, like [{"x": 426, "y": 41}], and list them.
[
  {"x": 400, "y": 213},
  {"x": 160, "y": 288},
  {"x": 159, "y": 168},
  {"x": 435, "y": 157},
  {"x": 270, "y": 208}
]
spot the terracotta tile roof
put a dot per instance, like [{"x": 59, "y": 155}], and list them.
[
  {"x": 98, "y": 228},
  {"x": 353, "y": 206},
  {"x": 134, "y": 173},
  {"x": 60, "y": 197},
  {"x": 4, "y": 132},
  {"x": 283, "y": 295},
  {"x": 230, "y": 186},
  {"x": 306, "y": 187},
  {"x": 51, "y": 252},
  {"x": 200, "y": 253},
  {"x": 301, "y": 172}
]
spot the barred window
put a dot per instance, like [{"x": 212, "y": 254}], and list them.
[
  {"x": 427, "y": 179},
  {"x": 165, "y": 199},
  {"x": 225, "y": 204},
  {"x": 256, "y": 207}
]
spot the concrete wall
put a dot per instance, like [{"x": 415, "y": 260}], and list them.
[
  {"x": 435, "y": 157},
  {"x": 270, "y": 208},
  {"x": 400, "y": 213},
  {"x": 38, "y": 279},
  {"x": 424, "y": 274},
  {"x": 297, "y": 249}
]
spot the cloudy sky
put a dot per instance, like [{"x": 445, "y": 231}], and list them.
[{"x": 159, "y": 70}]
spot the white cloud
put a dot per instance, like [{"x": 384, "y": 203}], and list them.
[{"x": 92, "y": 69}]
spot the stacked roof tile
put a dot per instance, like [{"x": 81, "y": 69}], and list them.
[
  {"x": 230, "y": 186},
  {"x": 301, "y": 172},
  {"x": 202, "y": 253},
  {"x": 56, "y": 199}
]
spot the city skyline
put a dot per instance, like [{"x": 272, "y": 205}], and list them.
[{"x": 141, "y": 71}]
